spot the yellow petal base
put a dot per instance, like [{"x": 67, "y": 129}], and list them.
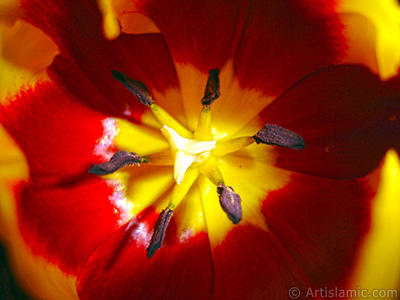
[{"x": 379, "y": 265}]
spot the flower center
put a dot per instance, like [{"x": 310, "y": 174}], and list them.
[
  {"x": 193, "y": 153},
  {"x": 186, "y": 152}
]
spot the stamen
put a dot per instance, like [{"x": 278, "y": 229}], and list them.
[
  {"x": 159, "y": 231},
  {"x": 186, "y": 153},
  {"x": 229, "y": 146},
  {"x": 119, "y": 160},
  {"x": 136, "y": 87},
  {"x": 164, "y": 158},
  {"x": 228, "y": 199},
  {"x": 203, "y": 131},
  {"x": 166, "y": 119},
  {"x": 275, "y": 135},
  {"x": 230, "y": 202},
  {"x": 141, "y": 92},
  {"x": 211, "y": 170},
  {"x": 179, "y": 192},
  {"x": 211, "y": 92}
]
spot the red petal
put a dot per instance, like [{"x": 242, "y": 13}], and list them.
[
  {"x": 83, "y": 68},
  {"x": 250, "y": 265},
  {"x": 315, "y": 228},
  {"x": 57, "y": 134},
  {"x": 283, "y": 41},
  {"x": 62, "y": 208},
  {"x": 347, "y": 117},
  {"x": 321, "y": 223},
  {"x": 65, "y": 224},
  {"x": 273, "y": 43},
  {"x": 119, "y": 269}
]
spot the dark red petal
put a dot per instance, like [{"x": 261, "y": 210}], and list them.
[
  {"x": 250, "y": 265},
  {"x": 57, "y": 134},
  {"x": 120, "y": 269},
  {"x": 321, "y": 223},
  {"x": 347, "y": 117},
  {"x": 83, "y": 68},
  {"x": 283, "y": 41},
  {"x": 315, "y": 228},
  {"x": 65, "y": 224},
  {"x": 273, "y": 43}
]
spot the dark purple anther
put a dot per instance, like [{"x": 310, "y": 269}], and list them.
[
  {"x": 118, "y": 160},
  {"x": 136, "y": 87},
  {"x": 159, "y": 231},
  {"x": 275, "y": 135},
  {"x": 230, "y": 202},
  {"x": 211, "y": 92}
]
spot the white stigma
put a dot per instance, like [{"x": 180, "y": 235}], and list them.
[{"x": 186, "y": 151}]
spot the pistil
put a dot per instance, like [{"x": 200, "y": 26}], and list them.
[{"x": 186, "y": 151}]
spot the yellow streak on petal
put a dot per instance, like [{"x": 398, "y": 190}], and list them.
[
  {"x": 132, "y": 21},
  {"x": 13, "y": 79},
  {"x": 13, "y": 165},
  {"x": 192, "y": 83},
  {"x": 13, "y": 168},
  {"x": 111, "y": 28},
  {"x": 226, "y": 120},
  {"x": 27, "y": 46},
  {"x": 40, "y": 278},
  {"x": 379, "y": 264},
  {"x": 385, "y": 15},
  {"x": 361, "y": 40},
  {"x": 25, "y": 53}
]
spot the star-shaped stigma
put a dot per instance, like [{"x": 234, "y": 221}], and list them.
[{"x": 193, "y": 153}]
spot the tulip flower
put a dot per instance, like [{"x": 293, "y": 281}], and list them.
[{"x": 197, "y": 150}]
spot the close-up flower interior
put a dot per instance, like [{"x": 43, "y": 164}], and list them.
[{"x": 169, "y": 149}]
